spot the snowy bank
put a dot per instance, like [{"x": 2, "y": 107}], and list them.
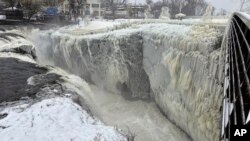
[{"x": 57, "y": 119}]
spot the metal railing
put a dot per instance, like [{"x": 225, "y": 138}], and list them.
[{"x": 236, "y": 100}]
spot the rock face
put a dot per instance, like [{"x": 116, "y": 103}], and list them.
[
  {"x": 13, "y": 76},
  {"x": 178, "y": 69},
  {"x": 109, "y": 62},
  {"x": 17, "y": 65}
]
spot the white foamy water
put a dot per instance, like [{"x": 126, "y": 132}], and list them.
[
  {"x": 17, "y": 56},
  {"x": 143, "y": 119}
]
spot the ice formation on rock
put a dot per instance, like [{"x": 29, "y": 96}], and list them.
[
  {"x": 178, "y": 69},
  {"x": 180, "y": 16},
  {"x": 208, "y": 14},
  {"x": 165, "y": 13},
  {"x": 147, "y": 13},
  {"x": 183, "y": 72}
]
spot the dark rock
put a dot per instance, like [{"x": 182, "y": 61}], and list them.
[
  {"x": 2, "y": 116},
  {"x": 13, "y": 78}
]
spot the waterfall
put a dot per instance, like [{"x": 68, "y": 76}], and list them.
[{"x": 174, "y": 66}]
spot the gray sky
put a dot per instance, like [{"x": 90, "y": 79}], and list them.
[{"x": 229, "y": 5}]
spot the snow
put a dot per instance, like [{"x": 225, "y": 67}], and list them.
[
  {"x": 6, "y": 47},
  {"x": 30, "y": 81},
  {"x": 10, "y": 8},
  {"x": 105, "y": 26},
  {"x": 180, "y": 15},
  {"x": 91, "y": 26},
  {"x": 248, "y": 117},
  {"x": 245, "y": 15},
  {"x": 165, "y": 13},
  {"x": 14, "y": 43},
  {"x": 56, "y": 119},
  {"x": 17, "y": 56},
  {"x": 2, "y": 17}
]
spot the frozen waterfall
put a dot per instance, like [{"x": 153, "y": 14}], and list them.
[{"x": 170, "y": 66}]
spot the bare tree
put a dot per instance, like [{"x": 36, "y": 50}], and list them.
[
  {"x": 222, "y": 12},
  {"x": 81, "y": 7},
  {"x": 72, "y": 8},
  {"x": 32, "y": 6},
  {"x": 11, "y": 3},
  {"x": 195, "y": 7},
  {"x": 113, "y": 5},
  {"x": 243, "y": 3},
  {"x": 77, "y": 8},
  {"x": 189, "y": 7},
  {"x": 149, "y": 2},
  {"x": 181, "y": 4}
]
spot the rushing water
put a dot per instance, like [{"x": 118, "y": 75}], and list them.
[
  {"x": 130, "y": 75},
  {"x": 141, "y": 118}
]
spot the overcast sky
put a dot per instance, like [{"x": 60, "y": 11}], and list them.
[{"x": 229, "y": 5}]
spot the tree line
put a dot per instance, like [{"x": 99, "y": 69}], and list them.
[
  {"x": 188, "y": 7},
  {"x": 31, "y": 6}
]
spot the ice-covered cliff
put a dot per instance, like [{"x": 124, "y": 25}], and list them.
[
  {"x": 177, "y": 66},
  {"x": 183, "y": 69}
]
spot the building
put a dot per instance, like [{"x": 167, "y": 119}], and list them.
[
  {"x": 89, "y": 7},
  {"x": 136, "y": 11},
  {"x": 95, "y": 8},
  {"x": 125, "y": 11}
]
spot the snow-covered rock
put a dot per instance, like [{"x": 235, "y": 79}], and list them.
[
  {"x": 180, "y": 16},
  {"x": 14, "y": 42},
  {"x": 56, "y": 119}
]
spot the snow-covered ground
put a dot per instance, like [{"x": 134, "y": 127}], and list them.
[
  {"x": 17, "y": 56},
  {"x": 13, "y": 42},
  {"x": 56, "y": 119},
  {"x": 97, "y": 26}
]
